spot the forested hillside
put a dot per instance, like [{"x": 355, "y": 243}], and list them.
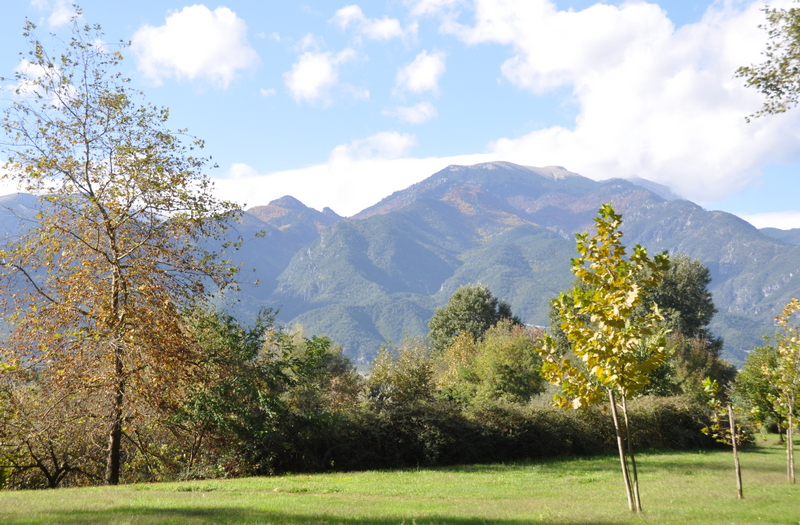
[{"x": 380, "y": 274}]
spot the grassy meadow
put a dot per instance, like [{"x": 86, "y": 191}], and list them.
[{"x": 676, "y": 487}]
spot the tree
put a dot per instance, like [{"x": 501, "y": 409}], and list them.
[
  {"x": 402, "y": 375},
  {"x": 503, "y": 365},
  {"x": 786, "y": 376},
  {"x": 471, "y": 309},
  {"x": 116, "y": 250},
  {"x": 778, "y": 77},
  {"x": 683, "y": 296},
  {"x": 687, "y": 306},
  {"x": 755, "y": 390},
  {"x": 727, "y": 432},
  {"x": 617, "y": 347}
]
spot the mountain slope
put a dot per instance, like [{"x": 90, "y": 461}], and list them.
[
  {"x": 379, "y": 275},
  {"x": 511, "y": 227}
]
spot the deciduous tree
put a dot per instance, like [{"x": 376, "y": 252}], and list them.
[
  {"x": 471, "y": 309},
  {"x": 786, "y": 376},
  {"x": 117, "y": 249},
  {"x": 618, "y": 345},
  {"x": 778, "y": 76}
]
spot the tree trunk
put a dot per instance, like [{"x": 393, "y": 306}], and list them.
[
  {"x": 735, "y": 454},
  {"x": 628, "y": 439},
  {"x": 621, "y": 448},
  {"x": 790, "y": 449},
  {"x": 115, "y": 432}
]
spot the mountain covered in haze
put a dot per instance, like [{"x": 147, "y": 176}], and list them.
[{"x": 380, "y": 274}]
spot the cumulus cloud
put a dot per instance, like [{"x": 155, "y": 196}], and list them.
[
  {"x": 654, "y": 101},
  {"x": 314, "y": 75},
  {"x": 416, "y": 114},
  {"x": 422, "y": 74},
  {"x": 385, "y": 28},
  {"x": 195, "y": 44}
]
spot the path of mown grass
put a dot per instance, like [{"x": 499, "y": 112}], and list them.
[{"x": 680, "y": 488}]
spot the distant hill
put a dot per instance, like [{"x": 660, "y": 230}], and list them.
[
  {"x": 380, "y": 274},
  {"x": 791, "y": 236}
]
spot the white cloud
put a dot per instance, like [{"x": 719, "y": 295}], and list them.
[
  {"x": 61, "y": 11},
  {"x": 373, "y": 28},
  {"x": 422, "y": 74},
  {"x": 432, "y": 7},
  {"x": 8, "y": 184},
  {"x": 33, "y": 78},
  {"x": 416, "y": 114},
  {"x": 267, "y": 92},
  {"x": 195, "y": 44},
  {"x": 785, "y": 220},
  {"x": 345, "y": 184},
  {"x": 315, "y": 74},
  {"x": 654, "y": 101},
  {"x": 384, "y": 145}
]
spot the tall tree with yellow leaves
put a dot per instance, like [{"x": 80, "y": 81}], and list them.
[
  {"x": 617, "y": 345},
  {"x": 116, "y": 250}
]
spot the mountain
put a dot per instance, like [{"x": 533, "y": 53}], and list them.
[
  {"x": 790, "y": 236},
  {"x": 380, "y": 274}
]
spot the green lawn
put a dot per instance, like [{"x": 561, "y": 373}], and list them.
[{"x": 680, "y": 488}]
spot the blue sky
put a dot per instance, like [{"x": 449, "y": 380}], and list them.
[{"x": 339, "y": 104}]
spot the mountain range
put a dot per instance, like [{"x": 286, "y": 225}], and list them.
[{"x": 379, "y": 275}]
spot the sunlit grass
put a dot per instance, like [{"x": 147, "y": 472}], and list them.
[{"x": 686, "y": 487}]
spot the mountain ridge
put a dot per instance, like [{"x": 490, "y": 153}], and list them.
[{"x": 379, "y": 274}]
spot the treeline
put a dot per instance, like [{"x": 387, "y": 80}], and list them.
[{"x": 260, "y": 400}]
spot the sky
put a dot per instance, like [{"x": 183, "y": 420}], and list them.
[{"x": 340, "y": 104}]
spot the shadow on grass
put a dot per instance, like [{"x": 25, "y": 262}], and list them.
[{"x": 229, "y": 515}]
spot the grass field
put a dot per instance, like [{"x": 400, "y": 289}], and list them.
[{"x": 679, "y": 488}]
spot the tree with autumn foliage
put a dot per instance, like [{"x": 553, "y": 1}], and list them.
[
  {"x": 97, "y": 281},
  {"x": 785, "y": 376},
  {"x": 615, "y": 343}
]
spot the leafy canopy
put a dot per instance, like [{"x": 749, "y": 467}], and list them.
[
  {"x": 778, "y": 76},
  {"x": 472, "y": 309},
  {"x": 617, "y": 343}
]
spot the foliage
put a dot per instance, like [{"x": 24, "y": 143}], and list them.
[
  {"x": 259, "y": 391},
  {"x": 755, "y": 390},
  {"x": 402, "y": 375},
  {"x": 684, "y": 298},
  {"x": 724, "y": 427},
  {"x": 472, "y": 309},
  {"x": 693, "y": 352},
  {"x": 720, "y": 428},
  {"x": 618, "y": 346},
  {"x": 777, "y": 78},
  {"x": 116, "y": 249},
  {"x": 504, "y": 365},
  {"x": 786, "y": 376}
]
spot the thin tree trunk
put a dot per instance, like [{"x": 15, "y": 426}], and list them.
[
  {"x": 735, "y": 454},
  {"x": 621, "y": 448},
  {"x": 115, "y": 432},
  {"x": 790, "y": 448},
  {"x": 637, "y": 500}
]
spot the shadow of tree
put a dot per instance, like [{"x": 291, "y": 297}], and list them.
[{"x": 235, "y": 515}]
